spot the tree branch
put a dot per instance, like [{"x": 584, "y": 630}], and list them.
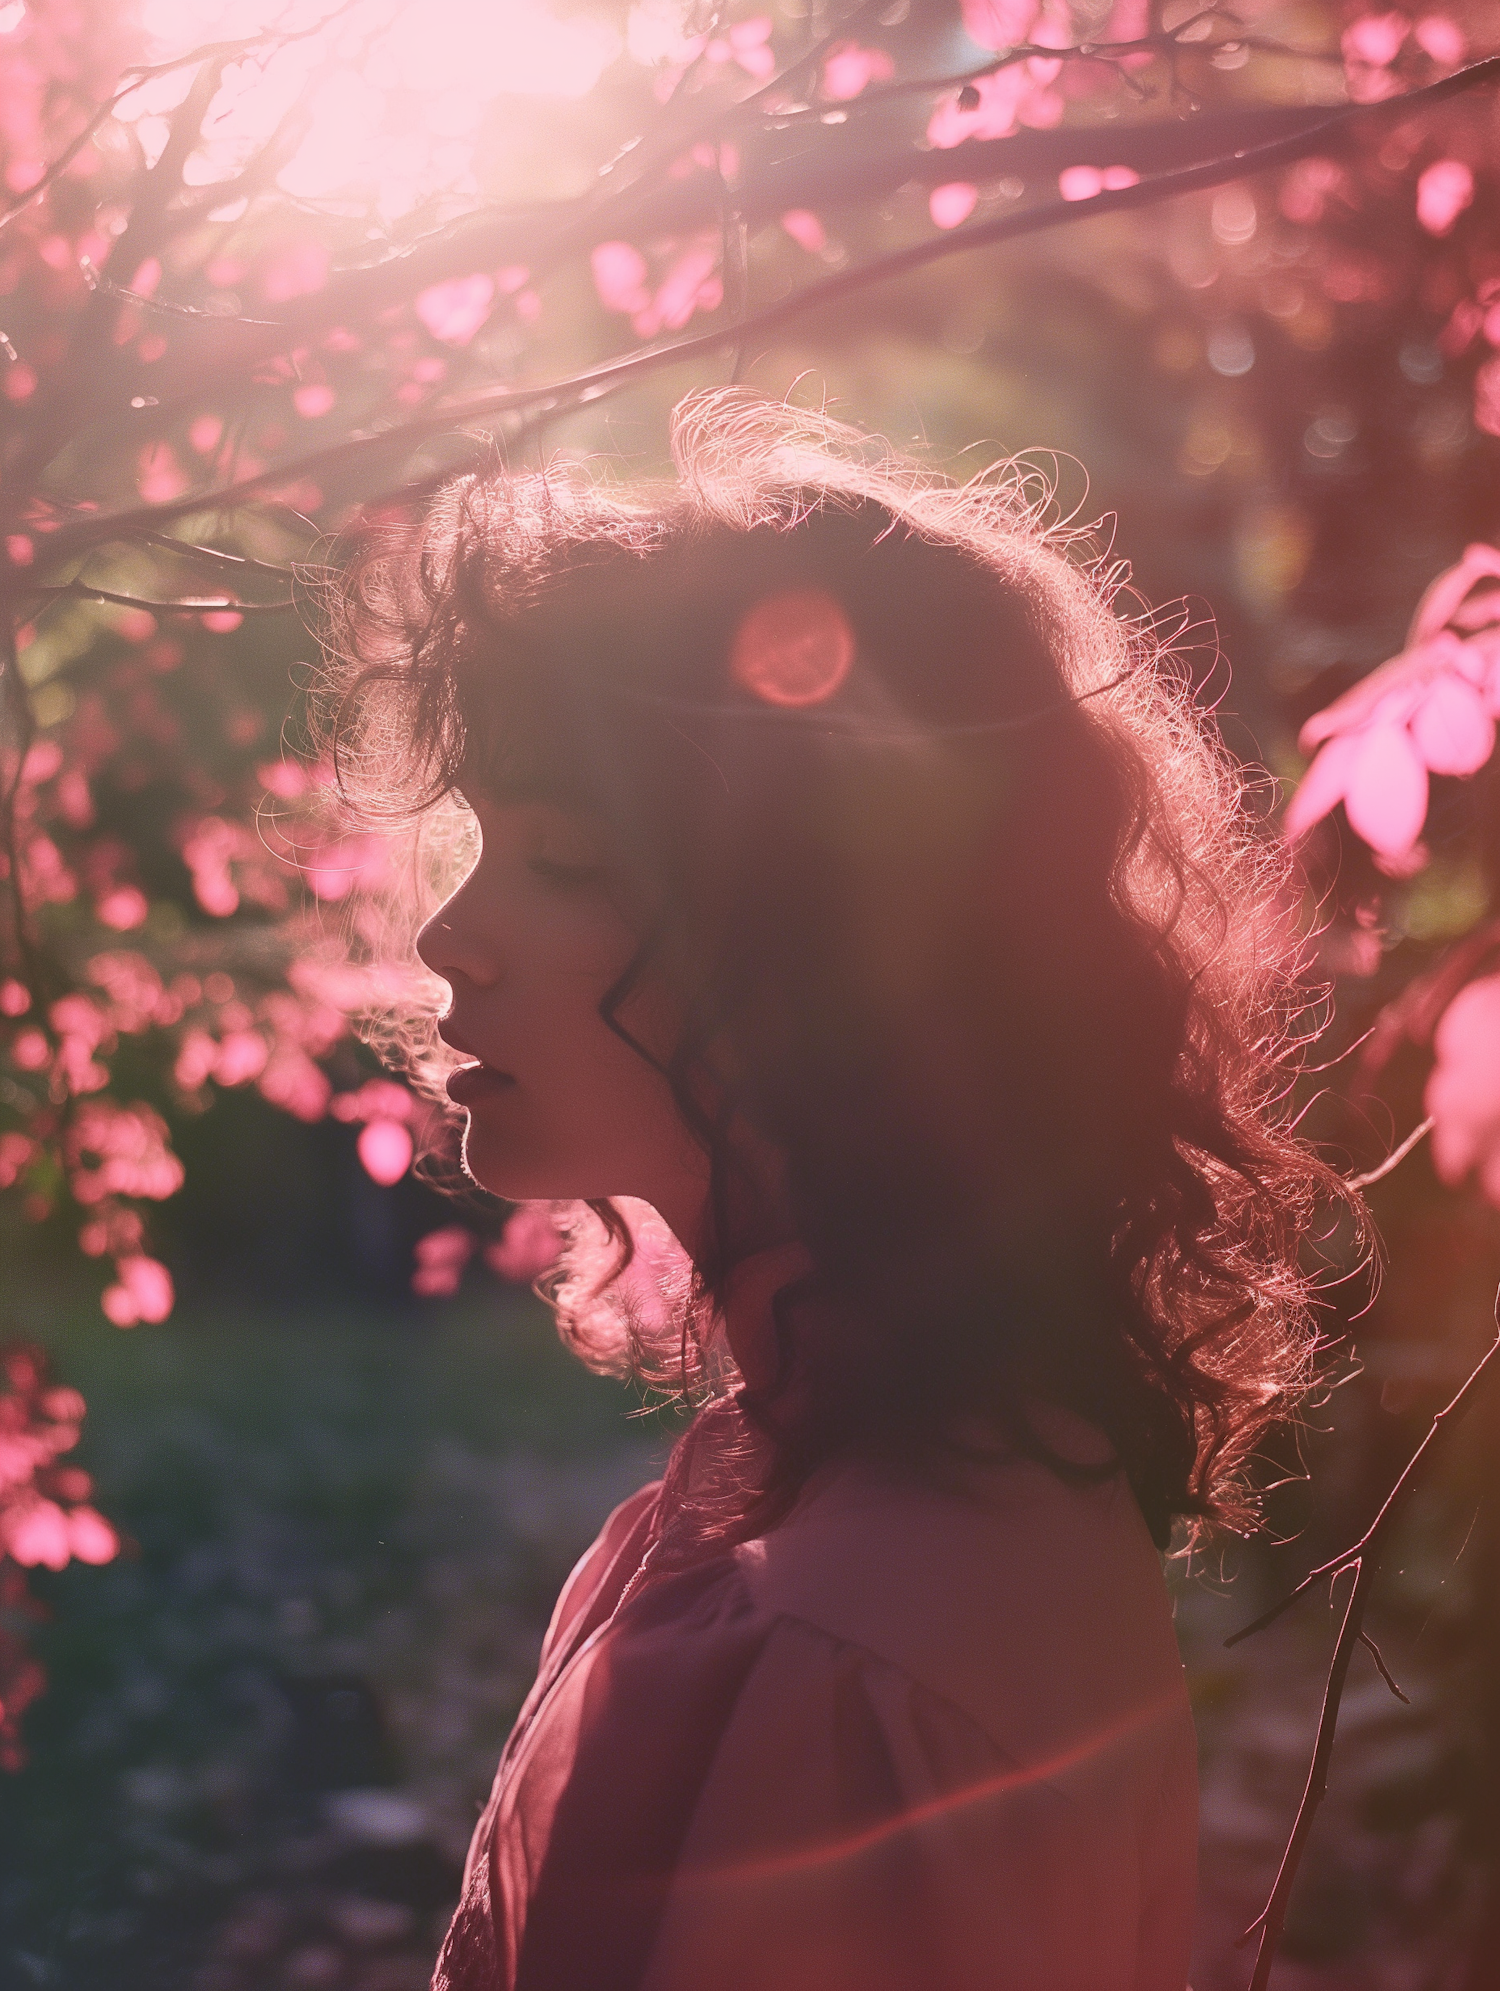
[
  {"x": 593, "y": 383},
  {"x": 1363, "y": 1557}
]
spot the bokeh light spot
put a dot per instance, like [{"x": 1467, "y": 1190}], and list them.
[{"x": 793, "y": 649}]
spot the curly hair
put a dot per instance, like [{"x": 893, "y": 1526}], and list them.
[{"x": 986, "y": 942}]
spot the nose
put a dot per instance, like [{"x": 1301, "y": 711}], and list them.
[{"x": 459, "y": 945}]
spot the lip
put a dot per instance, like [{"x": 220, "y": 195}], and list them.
[{"x": 471, "y": 1085}]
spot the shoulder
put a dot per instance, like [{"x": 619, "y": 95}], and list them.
[{"x": 1025, "y": 1600}]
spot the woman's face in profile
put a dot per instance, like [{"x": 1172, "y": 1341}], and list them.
[{"x": 558, "y": 1104}]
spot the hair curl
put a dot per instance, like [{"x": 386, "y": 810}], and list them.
[{"x": 987, "y": 944}]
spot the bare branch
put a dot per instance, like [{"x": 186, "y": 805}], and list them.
[
  {"x": 1368, "y": 1543},
  {"x": 1273, "y": 1915}
]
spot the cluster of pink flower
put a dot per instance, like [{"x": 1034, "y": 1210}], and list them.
[
  {"x": 526, "y": 1248},
  {"x": 1430, "y": 710},
  {"x": 1373, "y": 43},
  {"x": 45, "y": 1516}
]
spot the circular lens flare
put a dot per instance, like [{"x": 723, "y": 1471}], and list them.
[{"x": 794, "y": 648}]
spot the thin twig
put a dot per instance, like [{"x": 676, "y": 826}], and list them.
[
  {"x": 1273, "y": 1915},
  {"x": 181, "y": 605},
  {"x": 1451, "y": 1412},
  {"x": 1363, "y": 1557}
]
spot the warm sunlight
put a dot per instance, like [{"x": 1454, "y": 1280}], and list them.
[{"x": 383, "y": 105}]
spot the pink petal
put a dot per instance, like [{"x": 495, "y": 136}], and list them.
[
  {"x": 454, "y": 311},
  {"x": 998, "y": 24},
  {"x": 1386, "y": 795},
  {"x": 805, "y": 229},
  {"x": 620, "y": 276},
  {"x": 38, "y": 1534},
  {"x": 1080, "y": 182},
  {"x": 149, "y": 1285},
  {"x": 90, "y": 1536},
  {"x": 1438, "y": 605},
  {"x": 1443, "y": 192},
  {"x": 385, "y": 1150},
  {"x": 1375, "y": 38},
  {"x": 1442, "y": 39},
  {"x": 1322, "y": 787},
  {"x": 953, "y": 203},
  {"x": 1451, "y": 729}
]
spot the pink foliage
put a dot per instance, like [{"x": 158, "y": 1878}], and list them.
[
  {"x": 620, "y": 277},
  {"x": 115, "y": 1150},
  {"x": 952, "y": 203},
  {"x": 528, "y": 1246},
  {"x": 143, "y": 1291},
  {"x": 1018, "y": 94},
  {"x": 312, "y": 399},
  {"x": 1442, "y": 39},
  {"x": 385, "y": 1150},
  {"x": 441, "y": 1257},
  {"x": 1463, "y": 1089},
  {"x": 294, "y": 1083},
  {"x": 160, "y": 477},
  {"x": 454, "y": 311},
  {"x": 1085, "y": 182},
  {"x": 1375, "y": 38},
  {"x": 805, "y": 230},
  {"x": 1430, "y": 710},
  {"x": 1444, "y": 190},
  {"x": 848, "y": 69}
]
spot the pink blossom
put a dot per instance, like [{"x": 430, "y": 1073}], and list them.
[
  {"x": 15, "y": 1151},
  {"x": 124, "y": 907},
  {"x": 294, "y": 1083},
  {"x": 1432, "y": 709},
  {"x": 848, "y": 69},
  {"x": 90, "y": 1536},
  {"x": 376, "y": 1099},
  {"x": 36, "y": 1532},
  {"x": 952, "y": 203},
  {"x": 241, "y": 1057},
  {"x": 1442, "y": 39},
  {"x": 1444, "y": 190},
  {"x": 1375, "y": 38},
  {"x": 119, "y": 1151},
  {"x": 144, "y": 1292},
  {"x": 204, "y": 432},
  {"x": 441, "y": 1257},
  {"x": 207, "y": 850},
  {"x": 286, "y": 779},
  {"x": 1085, "y": 182},
  {"x": 224, "y": 620},
  {"x": 385, "y": 1149},
  {"x": 30, "y": 1051},
  {"x": 620, "y": 277},
  {"x": 160, "y": 477},
  {"x": 15, "y": 998},
  {"x": 1463, "y": 1089},
  {"x": 454, "y": 311},
  {"x": 805, "y": 230},
  {"x": 528, "y": 1246},
  {"x": 313, "y": 398}
]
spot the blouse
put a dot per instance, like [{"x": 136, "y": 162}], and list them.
[{"x": 908, "y": 1740}]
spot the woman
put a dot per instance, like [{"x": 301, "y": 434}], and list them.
[{"x": 862, "y": 902}]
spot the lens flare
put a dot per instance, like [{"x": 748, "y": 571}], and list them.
[{"x": 793, "y": 649}]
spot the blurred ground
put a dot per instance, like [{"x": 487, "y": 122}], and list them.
[{"x": 270, "y": 1729}]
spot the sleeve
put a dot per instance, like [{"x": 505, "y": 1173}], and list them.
[{"x": 857, "y": 1832}]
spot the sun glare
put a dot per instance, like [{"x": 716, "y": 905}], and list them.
[{"x": 389, "y": 99}]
